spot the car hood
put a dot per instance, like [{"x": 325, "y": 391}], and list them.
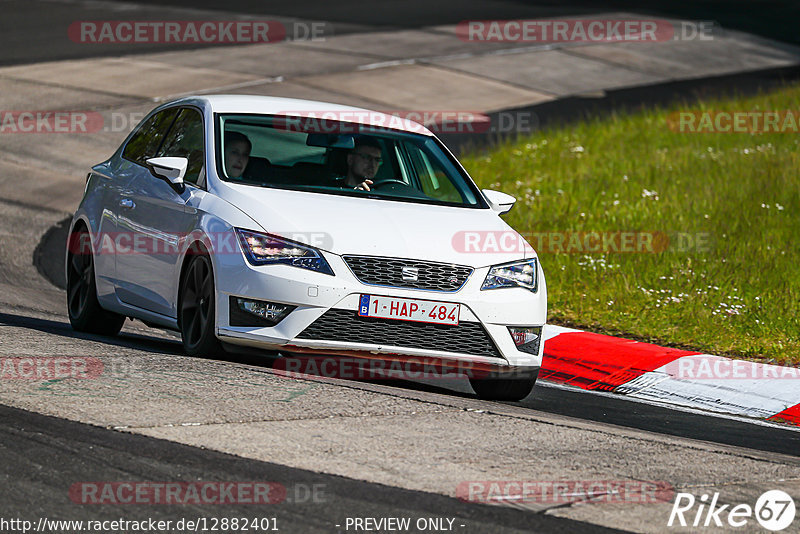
[{"x": 373, "y": 227}]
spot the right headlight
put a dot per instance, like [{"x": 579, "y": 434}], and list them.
[
  {"x": 264, "y": 249},
  {"x": 516, "y": 274}
]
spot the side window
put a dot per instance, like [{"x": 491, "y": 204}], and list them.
[
  {"x": 147, "y": 139},
  {"x": 185, "y": 140}
]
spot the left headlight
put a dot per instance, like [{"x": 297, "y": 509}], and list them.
[
  {"x": 264, "y": 249},
  {"x": 516, "y": 274}
]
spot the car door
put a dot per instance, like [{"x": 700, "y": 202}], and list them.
[
  {"x": 117, "y": 174},
  {"x": 155, "y": 217}
]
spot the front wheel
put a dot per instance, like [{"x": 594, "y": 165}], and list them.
[
  {"x": 83, "y": 308},
  {"x": 503, "y": 389},
  {"x": 197, "y": 309}
]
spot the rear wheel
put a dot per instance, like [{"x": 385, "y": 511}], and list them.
[
  {"x": 197, "y": 309},
  {"x": 503, "y": 389},
  {"x": 85, "y": 313}
]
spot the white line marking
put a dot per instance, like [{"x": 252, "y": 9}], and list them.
[{"x": 676, "y": 407}]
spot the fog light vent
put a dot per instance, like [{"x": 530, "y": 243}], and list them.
[
  {"x": 527, "y": 339},
  {"x": 249, "y": 312}
]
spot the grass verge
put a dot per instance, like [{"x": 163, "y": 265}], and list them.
[{"x": 720, "y": 211}]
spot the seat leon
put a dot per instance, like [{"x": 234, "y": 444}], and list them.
[{"x": 307, "y": 229}]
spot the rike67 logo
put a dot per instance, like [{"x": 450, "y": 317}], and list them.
[{"x": 774, "y": 510}]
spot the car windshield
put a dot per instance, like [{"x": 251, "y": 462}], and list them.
[{"x": 333, "y": 157}]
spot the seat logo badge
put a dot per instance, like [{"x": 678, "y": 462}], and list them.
[{"x": 410, "y": 274}]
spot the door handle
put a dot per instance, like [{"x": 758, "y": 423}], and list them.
[{"x": 127, "y": 203}]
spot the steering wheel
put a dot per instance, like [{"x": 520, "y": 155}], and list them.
[{"x": 390, "y": 181}]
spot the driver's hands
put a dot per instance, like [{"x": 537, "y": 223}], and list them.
[{"x": 364, "y": 186}]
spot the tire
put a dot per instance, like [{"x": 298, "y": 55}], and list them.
[
  {"x": 196, "y": 315},
  {"x": 503, "y": 389},
  {"x": 83, "y": 308}
]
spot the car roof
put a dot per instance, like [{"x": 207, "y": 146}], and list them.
[{"x": 271, "y": 105}]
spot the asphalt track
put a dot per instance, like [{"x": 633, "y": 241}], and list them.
[{"x": 43, "y": 455}]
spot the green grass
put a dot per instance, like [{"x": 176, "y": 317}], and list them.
[{"x": 739, "y": 295}]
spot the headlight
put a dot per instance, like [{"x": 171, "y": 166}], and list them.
[
  {"x": 263, "y": 249},
  {"x": 517, "y": 274}
]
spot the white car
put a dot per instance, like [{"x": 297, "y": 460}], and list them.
[{"x": 272, "y": 246}]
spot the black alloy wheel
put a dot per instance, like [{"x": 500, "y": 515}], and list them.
[
  {"x": 83, "y": 308},
  {"x": 197, "y": 317}
]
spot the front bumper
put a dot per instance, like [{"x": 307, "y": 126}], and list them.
[{"x": 325, "y": 320}]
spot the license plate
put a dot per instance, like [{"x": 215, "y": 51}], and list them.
[{"x": 421, "y": 311}]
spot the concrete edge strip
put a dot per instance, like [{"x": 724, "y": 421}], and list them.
[{"x": 649, "y": 372}]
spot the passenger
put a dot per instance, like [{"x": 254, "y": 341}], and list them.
[
  {"x": 237, "y": 153},
  {"x": 363, "y": 163}
]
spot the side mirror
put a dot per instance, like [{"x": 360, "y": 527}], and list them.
[
  {"x": 170, "y": 169},
  {"x": 499, "y": 202}
]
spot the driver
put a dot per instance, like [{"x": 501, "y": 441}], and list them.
[{"x": 363, "y": 163}]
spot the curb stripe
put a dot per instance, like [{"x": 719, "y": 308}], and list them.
[
  {"x": 642, "y": 370},
  {"x": 791, "y": 415},
  {"x": 596, "y": 361}
]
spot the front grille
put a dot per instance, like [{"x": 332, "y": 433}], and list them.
[
  {"x": 389, "y": 272},
  {"x": 348, "y": 326}
]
